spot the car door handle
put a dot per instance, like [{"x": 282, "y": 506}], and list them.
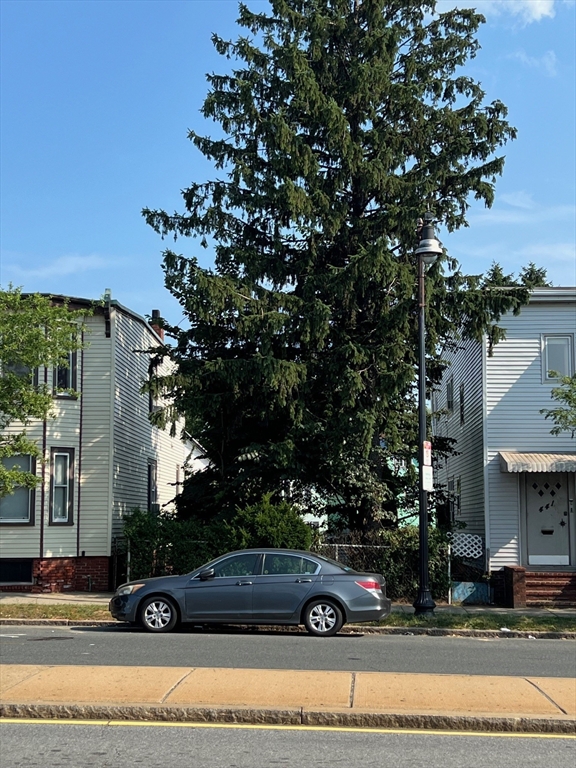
[
  {"x": 303, "y": 581},
  {"x": 243, "y": 583}
]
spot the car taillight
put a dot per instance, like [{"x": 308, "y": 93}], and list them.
[{"x": 370, "y": 586}]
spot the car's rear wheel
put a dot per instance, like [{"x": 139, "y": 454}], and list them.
[
  {"x": 323, "y": 618},
  {"x": 158, "y": 614}
]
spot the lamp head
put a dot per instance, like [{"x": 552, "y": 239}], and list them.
[{"x": 429, "y": 247}]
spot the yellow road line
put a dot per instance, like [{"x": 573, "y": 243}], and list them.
[{"x": 271, "y": 727}]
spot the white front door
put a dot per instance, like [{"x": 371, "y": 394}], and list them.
[{"x": 548, "y": 518}]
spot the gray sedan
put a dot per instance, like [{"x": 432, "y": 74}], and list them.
[{"x": 264, "y": 586}]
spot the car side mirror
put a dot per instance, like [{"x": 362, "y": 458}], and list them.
[{"x": 207, "y": 574}]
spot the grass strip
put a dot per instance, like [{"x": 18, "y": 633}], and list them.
[
  {"x": 512, "y": 621},
  {"x": 58, "y": 611},
  {"x": 441, "y": 620}
]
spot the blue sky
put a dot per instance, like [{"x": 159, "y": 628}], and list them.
[{"x": 97, "y": 97}]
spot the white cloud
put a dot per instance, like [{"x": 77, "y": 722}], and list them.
[
  {"x": 541, "y": 252},
  {"x": 523, "y": 215},
  {"x": 526, "y": 10},
  {"x": 519, "y": 199},
  {"x": 63, "y": 266},
  {"x": 547, "y": 62}
]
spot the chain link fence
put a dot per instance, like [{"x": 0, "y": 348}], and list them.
[{"x": 360, "y": 557}]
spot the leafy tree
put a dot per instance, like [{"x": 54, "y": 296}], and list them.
[
  {"x": 34, "y": 332},
  {"x": 564, "y": 416},
  {"x": 342, "y": 121}
]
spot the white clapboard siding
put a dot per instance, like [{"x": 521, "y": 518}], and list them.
[
  {"x": 136, "y": 440},
  {"x": 504, "y": 415},
  {"x": 465, "y": 368},
  {"x": 24, "y": 540},
  {"x": 515, "y": 394},
  {"x": 109, "y": 429},
  {"x": 96, "y": 497},
  {"x": 504, "y": 514},
  {"x": 63, "y": 432}
]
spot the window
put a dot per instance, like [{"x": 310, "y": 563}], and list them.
[
  {"x": 18, "y": 507},
  {"x": 289, "y": 564},
  {"x": 454, "y": 498},
  {"x": 450, "y": 395},
  {"x": 239, "y": 565},
  {"x": 153, "y": 505},
  {"x": 61, "y": 486},
  {"x": 22, "y": 371},
  {"x": 16, "y": 571},
  {"x": 462, "y": 415},
  {"x": 65, "y": 376},
  {"x": 557, "y": 356}
]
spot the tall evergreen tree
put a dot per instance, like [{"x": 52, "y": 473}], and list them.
[{"x": 342, "y": 123}]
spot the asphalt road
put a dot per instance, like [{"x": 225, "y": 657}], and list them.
[
  {"x": 27, "y": 745},
  {"x": 285, "y": 650}
]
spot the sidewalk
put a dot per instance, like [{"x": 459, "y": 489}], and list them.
[
  {"x": 284, "y": 697},
  {"x": 290, "y": 697},
  {"x": 103, "y": 598}
]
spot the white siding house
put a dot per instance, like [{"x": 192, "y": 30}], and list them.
[
  {"x": 513, "y": 481},
  {"x": 102, "y": 458}
]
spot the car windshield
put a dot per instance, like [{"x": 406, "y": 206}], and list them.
[{"x": 342, "y": 567}]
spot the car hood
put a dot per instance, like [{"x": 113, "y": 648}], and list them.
[{"x": 159, "y": 581}]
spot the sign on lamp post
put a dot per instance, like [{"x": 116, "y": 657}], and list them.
[{"x": 427, "y": 477}]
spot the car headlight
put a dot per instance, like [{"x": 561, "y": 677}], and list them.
[{"x": 128, "y": 589}]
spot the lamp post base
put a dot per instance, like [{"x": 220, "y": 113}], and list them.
[{"x": 424, "y": 604}]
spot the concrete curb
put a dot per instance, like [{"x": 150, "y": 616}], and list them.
[
  {"x": 348, "y": 629},
  {"x": 298, "y": 716}
]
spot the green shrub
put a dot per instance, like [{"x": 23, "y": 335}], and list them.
[
  {"x": 162, "y": 545},
  {"x": 400, "y": 562},
  {"x": 268, "y": 525}
]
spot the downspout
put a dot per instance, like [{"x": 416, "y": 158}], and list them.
[
  {"x": 487, "y": 540},
  {"x": 110, "y": 331},
  {"x": 43, "y": 494},
  {"x": 80, "y": 448}
]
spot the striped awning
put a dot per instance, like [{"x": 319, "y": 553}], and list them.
[{"x": 537, "y": 462}]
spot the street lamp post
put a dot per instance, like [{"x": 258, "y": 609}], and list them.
[{"x": 427, "y": 252}]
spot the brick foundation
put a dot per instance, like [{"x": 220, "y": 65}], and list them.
[{"x": 66, "y": 574}]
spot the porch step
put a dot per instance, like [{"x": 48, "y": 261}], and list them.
[{"x": 552, "y": 589}]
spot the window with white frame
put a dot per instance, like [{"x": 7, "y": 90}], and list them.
[
  {"x": 18, "y": 508},
  {"x": 153, "y": 505},
  {"x": 557, "y": 356},
  {"x": 61, "y": 486},
  {"x": 454, "y": 492},
  {"x": 66, "y": 375},
  {"x": 450, "y": 395}
]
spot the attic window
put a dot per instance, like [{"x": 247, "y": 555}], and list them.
[{"x": 557, "y": 357}]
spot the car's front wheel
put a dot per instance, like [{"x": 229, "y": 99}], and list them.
[
  {"x": 323, "y": 618},
  {"x": 158, "y": 614}
]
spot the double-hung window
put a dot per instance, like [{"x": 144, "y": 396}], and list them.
[
  {"x": 65, "y": 375},
  {"x": 153, "y": 505},
  {"x": 557, "y": 356},
  {"x": 18, "y": 508},
  {"x": 450, "y": 396},
  {"x": 61, "y": 486}
]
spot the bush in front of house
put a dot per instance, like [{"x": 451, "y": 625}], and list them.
[
  {"x": 161, "y": 544},
  {"x": 400, "y": 562},
  {"x": 268, "y": 524}
]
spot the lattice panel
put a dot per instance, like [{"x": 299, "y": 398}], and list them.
[{"x": 467, "y": 545}]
